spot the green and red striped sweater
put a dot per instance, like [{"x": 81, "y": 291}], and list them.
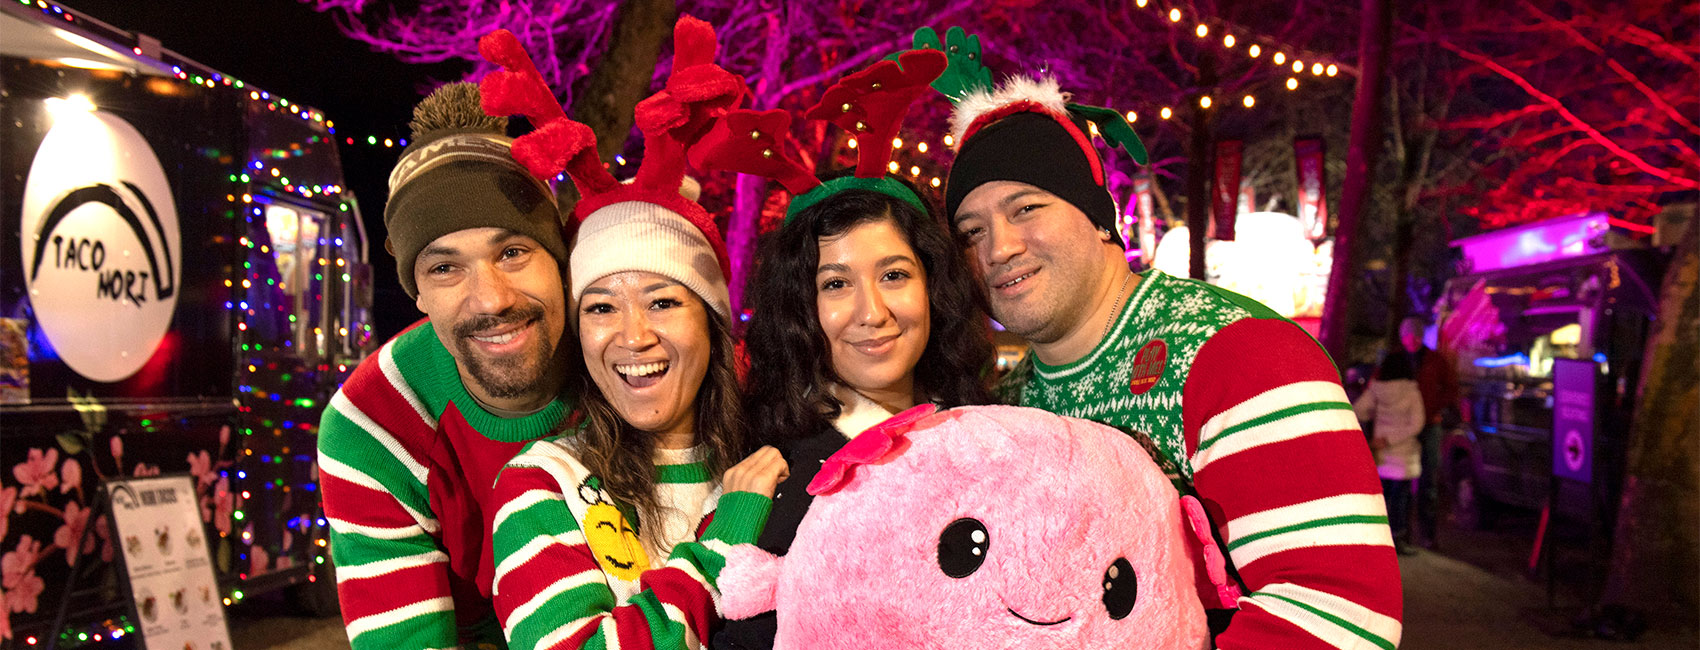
[
  {"x": 1245, "y": 410},
  {"x": 407, "y": 460},
  {"x": 571, "y": 571}
]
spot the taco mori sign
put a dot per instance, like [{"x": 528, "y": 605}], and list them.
[{"x": 100, "y": 245}]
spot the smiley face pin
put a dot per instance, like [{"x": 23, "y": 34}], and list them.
[{"x": 611, "y": 539}]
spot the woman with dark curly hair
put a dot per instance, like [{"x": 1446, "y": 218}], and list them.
[{"x": 863, "y": 307}]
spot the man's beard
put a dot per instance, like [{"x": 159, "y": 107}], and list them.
[
  {"x": 1028, "y": 321},
  {"x": 506, "y": 377}
]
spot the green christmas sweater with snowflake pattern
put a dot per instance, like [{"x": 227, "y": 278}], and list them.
[{"x": 1242, "y": 408}]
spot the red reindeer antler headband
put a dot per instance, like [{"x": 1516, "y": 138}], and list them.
[
  {"x": 556, "y": 142},
  {"x": 695, "y": 96},
  {"x": 870, "y": 103}
]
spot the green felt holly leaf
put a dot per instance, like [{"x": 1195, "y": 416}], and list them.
[
  {"x": 1114, "y": 129},
  {"x": 966, "y": 72}
]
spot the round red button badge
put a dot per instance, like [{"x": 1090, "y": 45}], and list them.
[{"x": 1148, "y": 366}]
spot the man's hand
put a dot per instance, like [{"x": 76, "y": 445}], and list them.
[{"x": 760, "y": 473}]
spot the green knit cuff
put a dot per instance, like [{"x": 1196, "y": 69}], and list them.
[
  {"x": 739, "y": 518},
  {"x": 884, "y": 185}
]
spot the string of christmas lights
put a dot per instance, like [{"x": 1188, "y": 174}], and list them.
[
  {"x": 186, "y": 70},
  {"x": 264, "y": 376},
  {"x": 265, "y": 384},
  {"x": 1256, "y": 45},
  {"x": 74, "y": 636}
]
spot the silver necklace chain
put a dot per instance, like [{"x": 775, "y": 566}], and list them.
[{"x": 1121, "y": 296}]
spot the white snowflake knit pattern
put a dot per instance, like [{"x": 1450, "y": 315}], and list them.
[{"x": 1183, "y": 314}]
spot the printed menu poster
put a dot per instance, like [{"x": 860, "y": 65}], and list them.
[{"x": 177, "y": 601}]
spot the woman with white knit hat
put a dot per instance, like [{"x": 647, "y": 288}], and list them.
[{"x": 612, "y": 536}]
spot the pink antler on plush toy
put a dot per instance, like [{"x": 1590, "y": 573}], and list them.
[{"x": 984, "y": 527}]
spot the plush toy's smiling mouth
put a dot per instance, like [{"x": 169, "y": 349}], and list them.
[{"x": 1029, "y": 620}]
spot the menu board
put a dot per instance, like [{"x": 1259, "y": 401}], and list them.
[{"x": 170, "y": 574}]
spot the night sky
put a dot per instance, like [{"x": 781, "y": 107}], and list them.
[{"x": 286, "y": 48}]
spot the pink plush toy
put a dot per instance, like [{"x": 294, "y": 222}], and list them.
[{"x": 986, "y": 527}]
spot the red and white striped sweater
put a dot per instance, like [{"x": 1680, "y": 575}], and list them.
[
  {"x": 1245, "y": 410},
  {"x": 572, "y": 571},
  {"x": 407, "y": 461}
]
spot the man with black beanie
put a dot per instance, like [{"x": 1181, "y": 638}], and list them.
[
  {"x": 410, "y": 446},
  {"x": 1238, "y": 405}
]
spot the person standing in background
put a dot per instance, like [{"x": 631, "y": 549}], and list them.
[
  {"x": 1394, "y": 405},
  {"x": 1438, "y": 380}
]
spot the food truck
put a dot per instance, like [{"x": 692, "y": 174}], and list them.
[
  {"x": 1532, "y": 300},
  {"x": 183, "y": 286}
]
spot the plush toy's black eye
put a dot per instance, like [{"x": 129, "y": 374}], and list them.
[
  {"x": 1121, "y": 589},
  {"x": 962, "y": 547}
]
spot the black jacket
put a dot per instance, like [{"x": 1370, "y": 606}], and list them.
[{"x": 790, "y": 502}]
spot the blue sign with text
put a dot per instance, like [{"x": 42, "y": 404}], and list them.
[{"x": 1573, "y": 419}]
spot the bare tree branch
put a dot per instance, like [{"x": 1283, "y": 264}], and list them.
[
  {"x": 1569, "y": 116},
  {"x": 1611, "y": 62}
]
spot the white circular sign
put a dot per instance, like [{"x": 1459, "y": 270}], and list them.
[{"x": 100, "y": 242}]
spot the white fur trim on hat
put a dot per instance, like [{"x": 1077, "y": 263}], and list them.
[
  {"x": 1043, "y": 91},
  {"x": 640, "y": 236}
]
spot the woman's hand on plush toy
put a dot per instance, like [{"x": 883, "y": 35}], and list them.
[{"x": 760, "y": 473}]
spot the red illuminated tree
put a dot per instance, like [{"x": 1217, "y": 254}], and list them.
[
  {"x": 1505, "y": 113},
  {"x": 1545, "y": 108},
  {"x": 1582, "y": 106}
]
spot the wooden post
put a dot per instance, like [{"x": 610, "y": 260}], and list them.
[{"x": 1200, "y": 168}]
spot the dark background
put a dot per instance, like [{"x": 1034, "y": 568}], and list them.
[{"x": 288, "y": 49}]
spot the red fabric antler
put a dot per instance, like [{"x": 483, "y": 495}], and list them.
[
  {"x": 556, "y": 143},
  {"x": 697, "y": 93},
  {"x": 871, "y": 104},
  {"x": 753, "y": 142}
]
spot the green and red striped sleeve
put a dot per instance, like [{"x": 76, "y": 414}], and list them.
[
  {"x": 392, "y": 575},
  {"x": 551, "y": 594},
  {"x": 1282, "y": 467}
]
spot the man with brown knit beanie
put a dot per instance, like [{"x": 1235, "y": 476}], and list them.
[{"x": 410, "y": 446}]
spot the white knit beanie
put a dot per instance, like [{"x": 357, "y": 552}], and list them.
[{"x": 643, "y": 236}]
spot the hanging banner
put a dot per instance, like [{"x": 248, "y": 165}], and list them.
[
  {"x": 1313, "y": 203},
  {"x": 1227, "y": 187},
  {"x": 1146, "y": 208}
]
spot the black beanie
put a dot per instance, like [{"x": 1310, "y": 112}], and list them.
[
  {"x": 1033, "y": 148},
  {"x": 458, "y": 174}
]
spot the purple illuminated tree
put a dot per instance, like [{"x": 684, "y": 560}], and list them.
[
  {"x": 602, "y": 53},
  {"x": 1134, "y": 59}
]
